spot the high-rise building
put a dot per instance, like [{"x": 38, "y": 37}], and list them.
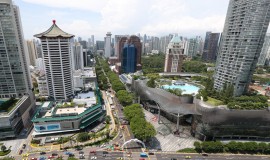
[
  {"x": 14, "y": 73},
  {"x": 241, "y": 43},
  {"x": 132, "y": 40},
  {"x": 129, "y": 59},
  {"x": 195, "y": 46},
  {"x": 164, "y": 41},
  {"x": 32, "y": 50},
  {"x": 77, "y": 56},
  {"x": 174, "y": 55},
  {"x": 210, "y": 47},
  {"x": 265, "y": 53},
  {"x": 108, "y": 45},
  {"x": 100, "y": 45},
  {"x": 116, "y": 44},
  {"x": 83, "y": 44},
  {"x": 93, "y": 40},
  {"x": 79, "y": 39},
  {"x": 56, "y": 50}
]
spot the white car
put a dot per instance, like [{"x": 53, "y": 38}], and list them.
[{"x": 93, "y": 157}]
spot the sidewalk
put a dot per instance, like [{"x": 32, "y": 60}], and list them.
[{"x": 109, "y": 112}]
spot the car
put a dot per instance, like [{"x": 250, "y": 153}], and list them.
[
  {"x": 71, "y": 155},
  {"x": 173, "y": 159},
  {"x": 151, "y": 153},
  {"x": 142, "y": 159},
  {"x": 20, "y": 152},
  {"x": 54, "y": 154},
  {"x": 120, "y": 158},
  {"x": 129, "y": 155},
  {"x": 50, "y": 157},
  {"x": 34, "y": 159},
  {"x": 67, "y": 153},
  {"x": 24, "y": 145},
  {"x": 104, "y": 155},
  {"x": 81, "y": 156},
  {"x": 81, "y": 152},
  {"x": 105, "y": 152},
  {"x": 93, "y": 157},
  {"x": 42, "y": 153},
  {"x": 42, "y": 158},
  {"x": 121, "y": 136},
  {"x": 93, "y": 151},
  {"x": 187, "y": 157},
  {"x": 205, "y": 154}
]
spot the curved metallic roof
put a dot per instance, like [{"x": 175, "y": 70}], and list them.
[
  {"x": 54, "y": 31},
  {"x": 167, "y": 101}
]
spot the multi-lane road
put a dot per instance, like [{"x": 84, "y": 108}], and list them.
[{"x": 100, "y": 155}]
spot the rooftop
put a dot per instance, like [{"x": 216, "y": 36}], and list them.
[
  {"x": 87, "y": 72},
  {"x": 175, "y": 39},
  {"x": 8, "y": 105},
  {"x": 54, "y": 31}
]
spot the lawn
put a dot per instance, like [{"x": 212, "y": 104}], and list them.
[{"x": 214, "y": 101}]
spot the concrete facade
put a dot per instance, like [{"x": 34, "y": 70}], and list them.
[
  {"x": 56, "y": 51},
  {"x": 174, "y": 55},
  {"x": 241, "y": 43}
]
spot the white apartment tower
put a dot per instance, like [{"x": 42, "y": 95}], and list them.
[
  {"x": 14, "y": 73},
  {"x": 77, "y": 56},
  {"x": 241, "y": 43},
  {"x": 174, "y": 55},
  {"x": 56, "y": 53},
  {"x": 32, "y": 50},
  {"x": 265, "y": 53},
  {"x": 108, "y": 45}
]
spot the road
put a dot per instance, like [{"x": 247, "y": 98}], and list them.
[
  {"x": 125, "y": 133},
  {"x": 136, "y": 155}
]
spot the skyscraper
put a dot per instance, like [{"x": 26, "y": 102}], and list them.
[
  {"x": 210, "y": 47},
  {"x": 32, "y": 50},
  {"x": 93, "y": 41},
  {"x": 131, "y": 41},
  {"x": 14, "y": 73},
  {"x": 241, "y": 43},
  {"x": 56, "y": 50},
  {"x": 195, "y": 46},
  {"x": 265, "y": 53},
  {"x": 174, "y": 55},
  {"x": 129, "y": 59},
  {"x": 108, "y": 45},
  {"x": 77, "y": 56},
  {"x": 116, "y": 44}
]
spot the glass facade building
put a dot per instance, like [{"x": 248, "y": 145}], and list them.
[
  {"x": 14, "y": 74},
  {"x": 129, "y": 59}
]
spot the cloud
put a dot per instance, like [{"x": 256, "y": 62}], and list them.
[{"x": 153, "y": 17}]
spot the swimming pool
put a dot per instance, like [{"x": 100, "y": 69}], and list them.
[{"x": 187, "y": 88}]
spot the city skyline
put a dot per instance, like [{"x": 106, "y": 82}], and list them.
[{"x": 156, "y": 18}]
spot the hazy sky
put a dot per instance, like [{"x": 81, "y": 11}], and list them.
[{"x": 152, "y": 17}]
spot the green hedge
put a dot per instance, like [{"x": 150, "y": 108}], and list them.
[{"x": 232, "y": 147}]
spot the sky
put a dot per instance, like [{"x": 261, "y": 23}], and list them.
[{"x": 84, "y": 18}]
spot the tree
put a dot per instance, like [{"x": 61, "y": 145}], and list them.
[
  {"x": 132, "y": 111},
  {"x": 124, "y": 97},
  {"x": 3, "y": 148},
  {"x": 194, "y": 66},
  {"x": 82, "y": 137},
  {"x": 151, "y": 83}
]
